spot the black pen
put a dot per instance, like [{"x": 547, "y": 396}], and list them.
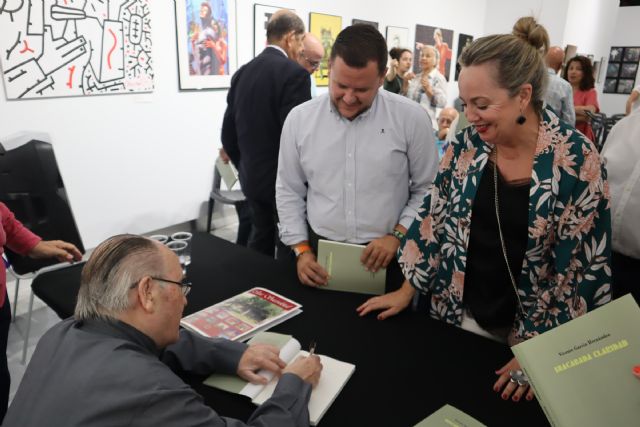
[{"x": 312, "y": 348}]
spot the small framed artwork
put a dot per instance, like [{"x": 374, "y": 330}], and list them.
[
  {"x": 615, "y": 54},
  {"x": 397, "y": 37},
  {"x": 261, "y": 15},
  {"x": 362, "y": 21},
  {"x": 631, "y": 54},
  {"x": 610, "y": 85},
  {"x": 613, "y": 69},
  {"x": 625, "y": 86},
  {"x": 464, "y": 40},
  {"x": 207, "y": 48},
  {"x": 326, "y": 29},
  {"x": 628, "y": 70}
]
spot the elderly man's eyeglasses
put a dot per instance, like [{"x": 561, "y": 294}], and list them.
[
  {"x": 313, "y": 64},
  {"x": 185, "y": 286}
]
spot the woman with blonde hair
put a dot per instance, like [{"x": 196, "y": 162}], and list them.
[
  {"x": 514, "y": 237},
  {"x": 429, "y": 87}
]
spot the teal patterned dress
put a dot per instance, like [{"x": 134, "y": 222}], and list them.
[{"x": 566, "y": 268}]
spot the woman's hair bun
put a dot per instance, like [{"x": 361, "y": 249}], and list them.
[{"x": 533, "y": 33}]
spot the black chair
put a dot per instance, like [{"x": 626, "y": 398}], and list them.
[
  {"x": 598, "y": 124},
  {"x": 32, "y": 188},
  {"x": 228, "y": 197}
]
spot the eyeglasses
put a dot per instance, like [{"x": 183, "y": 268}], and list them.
[
  {"x": 313, "y": 64},
  {"x": 185, "y": 286}
]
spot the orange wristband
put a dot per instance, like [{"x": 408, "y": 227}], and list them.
[{"x": 301, "y": 248}]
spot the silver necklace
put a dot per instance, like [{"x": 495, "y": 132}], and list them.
[{"x": 504, "y": 247}]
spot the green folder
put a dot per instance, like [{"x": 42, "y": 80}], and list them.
[
  {"x": 346, "y": 272},
  {"x": 448, "y": 416},
  {"x": 581, "y": 371}
]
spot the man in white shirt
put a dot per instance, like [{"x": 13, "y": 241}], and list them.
[
  {"x": 622, "y": 155},
  {"x": 355, "y": 163},
  {"x": 559, "y": 94}
]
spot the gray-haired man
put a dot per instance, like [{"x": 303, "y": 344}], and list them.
[{"x": 109, "y": 365}]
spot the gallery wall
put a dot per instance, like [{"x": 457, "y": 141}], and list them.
[{"x": 136, "y": 163}]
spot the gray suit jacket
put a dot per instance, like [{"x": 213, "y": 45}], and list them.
[{"x": 98, "y": 373}]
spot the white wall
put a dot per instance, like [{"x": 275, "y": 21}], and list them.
[{"x": 137, "y": 163}]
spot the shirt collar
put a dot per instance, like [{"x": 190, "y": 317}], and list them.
[
  {"x": 276, "y": 47},
  {"x": 118, "y": 329},
  {"x": 334, "y": 110}
]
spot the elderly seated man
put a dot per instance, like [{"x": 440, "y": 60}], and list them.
[
  {"x": 109, "y": 365},
  {"x": 446, "y": 117}
]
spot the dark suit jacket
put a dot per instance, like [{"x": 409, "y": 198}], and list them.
[{"x": 262, "y": 93}]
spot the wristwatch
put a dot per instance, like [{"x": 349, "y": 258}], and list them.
[{"x": 301, "y": 248}]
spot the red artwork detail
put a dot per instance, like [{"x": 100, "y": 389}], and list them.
[
  {"x": 70, "y": 82},
  {"x": 26, "y": 47},
  {"x": 115, "y": 43}
]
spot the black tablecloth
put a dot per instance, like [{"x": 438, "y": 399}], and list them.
[{"x": 407, "y": 366}]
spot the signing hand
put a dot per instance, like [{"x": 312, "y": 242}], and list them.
[
  {"x": 257, "y": 357},
  {"x": 379, "y": 253},
  {"x": 508, "y": 387},
  {"x": 311, "y": 273},
  {"x": 59, "y": 249},
  {"x": 392, "y": 303},
  {"x": 307, "y": 368}
]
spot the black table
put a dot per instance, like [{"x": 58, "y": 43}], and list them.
[{"x": 407, "y": 366}]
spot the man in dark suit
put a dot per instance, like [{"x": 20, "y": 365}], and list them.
[{"x": 262, "y": 93}]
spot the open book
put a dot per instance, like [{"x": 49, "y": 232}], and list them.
[
  {"x": 581, "y": 371},
  {"x": 242, "y": 316},
  {"x": 335, "y": 375},
  {"x": 450, "y": 417},
  {"x": 346, "y": 272}
]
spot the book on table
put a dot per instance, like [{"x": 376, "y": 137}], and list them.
[
  {"x": 581, "y": 371},
  {"x": 242, "y": 316},
  {"x": 334, "y": 376},
  {"x": 449, "y": 416},
  {"x": 346, "y": 272}
]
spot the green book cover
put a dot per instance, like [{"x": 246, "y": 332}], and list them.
[
  {"x": 346, "y": 272},
  {"x": 581, "y": 371},
  {"x": 448, "y": 416}
]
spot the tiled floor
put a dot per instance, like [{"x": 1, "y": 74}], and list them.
[{"x": 43, "y": 317}]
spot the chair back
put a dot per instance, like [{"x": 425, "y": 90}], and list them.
[
  {"x": 32, "y": 188},
  {"x": 59, "y": 288}
]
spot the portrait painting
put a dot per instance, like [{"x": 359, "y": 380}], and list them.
[
  {"x": 442, "y": 40},
  {"x": 326, "y": 29}
]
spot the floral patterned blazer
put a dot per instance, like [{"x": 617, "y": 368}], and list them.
[{"x": 566, "y": 267}]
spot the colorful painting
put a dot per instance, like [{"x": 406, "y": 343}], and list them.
[
  {"x": 397, "y": 37},
  {"x": 261, "y": 15},
  {"x": 442, "y": 40},
  {"x": 206, "y": 43},
  {"x": 75, "y": 48},
  {"x": 326, "y": 29},
  {"x": 464, "y": 40}
]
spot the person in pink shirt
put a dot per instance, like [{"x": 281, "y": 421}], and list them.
[
  {"x": 19, "y": 239},
  {"x": 579, "y": 73}
]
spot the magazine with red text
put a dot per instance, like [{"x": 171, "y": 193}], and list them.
[{"x": 242, "y": 316}]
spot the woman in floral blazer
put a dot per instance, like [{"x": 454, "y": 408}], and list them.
[{"x": 566, "y": 251}]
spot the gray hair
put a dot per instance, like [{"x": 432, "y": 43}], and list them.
[
  {"x": 518, "y": 58},
  {"x": 282, "y": 23},
  {"x": 114, "y": 266},
  {"x": 436, "y": 53}
]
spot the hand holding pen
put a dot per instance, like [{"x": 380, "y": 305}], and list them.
[{"x": 308, "y": 368}]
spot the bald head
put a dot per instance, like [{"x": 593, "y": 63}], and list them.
[
  {"x": 312, "y": 53},
  {"x": 554, "y": 57},
  {"x": 446, "y": 117}
]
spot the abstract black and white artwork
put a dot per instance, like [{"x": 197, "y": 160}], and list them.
[{"x": 60, "y": 48}]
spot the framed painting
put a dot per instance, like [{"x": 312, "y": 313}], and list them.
[
  {"x": 207, "y": 48},
  {"x": 83, "y": 48},
  {"x": 442, "y": 40},
  {"x": 363, "y": 21},
  {"x": 326, "y": 29},
  {"x": 464, "y": 40},
  {"x": 261, "y": 15},
  {"x": 397, "y": 37}
]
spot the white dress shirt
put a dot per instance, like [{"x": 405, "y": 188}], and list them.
[
  {"x": 622, "y": 155},
  {"x": 359, "y": 178},
  {"x": 559, "y": 96}
]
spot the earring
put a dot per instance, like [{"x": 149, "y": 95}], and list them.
[{"x": 521, "y": 119}]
